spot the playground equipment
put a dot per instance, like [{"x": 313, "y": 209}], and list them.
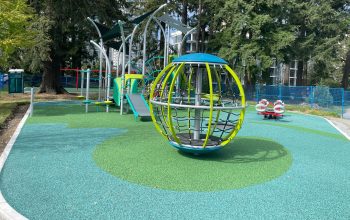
[
  {"x": 135, "y": 99},
  {"x": 108, "y": 74},
  {"x": 198, "y": 118},
  {"x": 124, "y": 86},
  {"x": 99, "y": 29},
  {"x": 86, "y": 99},
  {"x": 269, "y": 111}
]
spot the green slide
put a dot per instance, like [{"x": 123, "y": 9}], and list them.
[{"x": 118, "y": 86}]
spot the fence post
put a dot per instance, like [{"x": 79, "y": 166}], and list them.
[
  {"x": 82, "y": 82},
  {"x": 1, "y": 81},
  {"x": 280, "y": 92},
  {"x": 87, "y": 101},
  {"x": 342, "y": 101},
  {"x": 311, "y": 96},
  {"x": 31, "y": 101},
  {"x": 77, "y": 79}
]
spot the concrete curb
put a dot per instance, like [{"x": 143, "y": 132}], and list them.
[
  {"x": 341, "y": 131},
  {"x": 6, "y": 211}
]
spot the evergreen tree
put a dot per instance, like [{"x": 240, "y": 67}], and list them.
[
  {"x": 310, "y": 31},
  {"x": 322, "y": 26},
  {"x": 70, "y": 32},
  {"x": 15, "y": 31},
  {"x": 251, "y": 30}
]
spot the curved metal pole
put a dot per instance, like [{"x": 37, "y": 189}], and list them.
[
  {"x": 165, "y": 40},
  {"x": 168, "y": 43},
  {"x": 108, "y": 69},
  {"x": 123, "y": 66},
  {"x": 184, "y": 38},
  {"x": 179, "y": 54},
  {"x": 130, "y": 47},
  {"x": 88, "y": 71},
  {"x": 101, "y": 59},
  {"x": 119, "y": 51},
  {"x": 145, "y": 38}
]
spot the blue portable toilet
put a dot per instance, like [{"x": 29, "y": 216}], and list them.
[
  {"x": 16, "y": 81},
  {"x": 1, "y": 81}
]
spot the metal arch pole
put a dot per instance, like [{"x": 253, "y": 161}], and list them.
[
  {"x": 106, "y": 78},
  {"x": 108, "y": 69},
  {"x": 87, "y": 90},
  {"x": 180, "y": 53},
  {"x": 123, "y": 66},
  {"x": 101, "y": 59},
  {"x": 168, "y": 43},
  {"x": 197, "y": 119},
  {"x": 81, "y": 83},
  {"x": 130, "y": 47},
  {"x": 184, "y": 38},
  {"x": 118, "y": 56},
  {"x": 165, "y": 40},
  {"x": 31, "y": 101},
  {"x": 145, "y": 38}
]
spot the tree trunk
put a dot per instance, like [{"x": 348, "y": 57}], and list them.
[
  {"x": 247, "y": 76},
  {"x": 203, "y": 49},
  {"x": 346, "y": 71},
  {"x": 301, "y": 76},
  {"x": 184, "y": 20},
  {"x": 76, "y": 58},
  {"x": 51, "y": 78},
  {"x": 162, "y": 37},
  {"x": 199, "y": 25},
  {"x": 51, "y": 75}
]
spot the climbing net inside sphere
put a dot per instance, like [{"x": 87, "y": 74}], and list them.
[{"x": 197, "y": 106}]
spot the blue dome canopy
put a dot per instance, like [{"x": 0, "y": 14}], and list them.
[{"x": 199, "y": 58}]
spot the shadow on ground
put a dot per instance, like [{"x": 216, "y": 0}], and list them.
[{"x": 244, "y": 150}]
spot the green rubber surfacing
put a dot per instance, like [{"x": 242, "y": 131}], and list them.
[
  {"x": 152, "y": 162},
  {"x": 141, "y": 156},
  {"x": 45, "y": 180}
]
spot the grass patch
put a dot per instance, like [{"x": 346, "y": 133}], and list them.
[
  {"x": 311, "y": 111},
  {"x": 9, "y": 102},
  {"x": 304, "y": 109},
  {"x": 6, "y": 110}
]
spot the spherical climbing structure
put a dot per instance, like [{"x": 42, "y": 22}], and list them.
[{"x": 197, "y": 103}]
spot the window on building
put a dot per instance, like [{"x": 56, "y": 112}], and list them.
[
  {"x": 293, "y": 73},
  {"x": 274, "y": 72}
]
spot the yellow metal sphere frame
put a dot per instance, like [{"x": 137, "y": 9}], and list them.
[{"x": 197, "y": 103}]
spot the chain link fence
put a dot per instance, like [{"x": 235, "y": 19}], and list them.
[
  {"x": 2, "y": 82},
  {"x": 335, "y": 100}
]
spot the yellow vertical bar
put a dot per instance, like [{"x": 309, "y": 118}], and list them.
[
  {"x": 156, "y": 81},
  {"x": 218, "y": 79},
  {"x": 189, "y": 100},
  {"x": 234, "y": 132},
  {"x": 164, "y": 83},
  {"x": 210, "y": 104},
  {"x": 170, "y": 96}
]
